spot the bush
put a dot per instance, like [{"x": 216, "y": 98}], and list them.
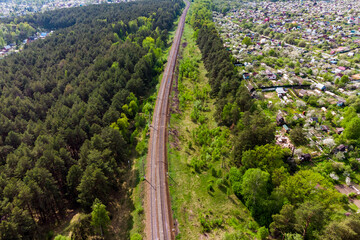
[
  {"x": 213, "y": 172},
  {"x": 220, "y": 182},
  {"x": 352, "y": 195},
  {"x": 50, "y": 235},
  {"x": 194, "y": 115},
  {"x": 197, "y": 164},
  {"x": 202, "y": 119},
  {"x": 136, "y": 236},
  {"x": 205, "y": 225},
  {"x": 210, "y": 188},
  {"x": 141, "y": 147},
  {"x": 217, "y": 223},
  {"x": 302, "y": 44},
  {"x": 61, "y": 237},
  {"x": 140, "y": 210},
  {"x": 253, "y": 225},
  {"x": 236, "y": 236},
  {"x": 237, "y": 189},
  {"x": 209, "y": 224},
  {"x": 219, "y": 173},
  {"x": 263, "y": 233}
]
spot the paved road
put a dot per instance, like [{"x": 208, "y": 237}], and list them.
[{"x": 159, "y": 218}]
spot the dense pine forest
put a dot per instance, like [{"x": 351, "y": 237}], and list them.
[{"x": 71, "y": 108}]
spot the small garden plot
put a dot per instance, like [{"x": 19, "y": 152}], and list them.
[{"x": 352, "y": 191}]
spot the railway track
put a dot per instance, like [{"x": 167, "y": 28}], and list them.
[{"x": 158, "y": 210}]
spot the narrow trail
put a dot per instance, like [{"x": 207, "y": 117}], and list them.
[{"x": 159, "y": 222}]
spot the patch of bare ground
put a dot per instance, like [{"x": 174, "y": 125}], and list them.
[
  {"x": 175, "y": 104},
  {"x": 121, "y": 207},
  {"x": 147, "y": 228},
  {"x": 344, "y": 189},
  {"x": 175, "y": 143},
  {"x": 355, "y": 201},
  {"x": 174, "y": 97},
  {"x": 70, "y": 217},
  {"x": 204, "y": 236}
]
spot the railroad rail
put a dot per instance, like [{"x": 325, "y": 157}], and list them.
[{"x": 158, "y": 210}]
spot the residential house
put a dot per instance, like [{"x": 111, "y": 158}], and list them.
[
  {"x": 305, "y": 157},
  {"x": 280, "y": 120},
  {"x": 280, "y": 92},
  {"x": 314, "y": 119},
  {"x": 246, "y": 75},
  {"x": 324, "y": 128},
  {"x": 250, "y": 88},
  {"x": 340, "y": 103},
  {"x": 320, "y": 86},
  {"x": 339, "y": 130},
  {"x": 286, "y": 128}
]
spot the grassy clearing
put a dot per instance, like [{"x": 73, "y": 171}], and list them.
[
  {"x": 201, "y": 211},
  {"x": 137, "y": 196},
  {"x": 65, "y": 228}
]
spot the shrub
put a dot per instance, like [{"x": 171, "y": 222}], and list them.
[
  {"x": 136, "y": 236},
  {"x": 190, "y": 144},
  {"x": 217, "y": 223},
  {"x": 237, "y": 189},
  {"x": 141, "y": 147},
  {"x": 253, "y": 225},
  {"x": 202, "y": 119},
  {"x": 140, "y": 210},
  {"x": 263, "y": 233},
  {"x": 352, "y": 195},
  {"x": 208, "y": 224},
  {"x": 213, "y": 172},
  {"x": 210, "y": 188},
  {"x": 61, "y": 237}
]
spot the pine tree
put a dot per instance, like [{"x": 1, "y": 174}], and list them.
[{"x": 99, "y": 216}]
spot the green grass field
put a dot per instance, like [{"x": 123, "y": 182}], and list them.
[{"x": 218, "y": 209}]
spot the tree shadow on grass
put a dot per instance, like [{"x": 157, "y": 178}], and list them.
[
  {"x": 122, "y": 206},
  {"x": 222, "y": 188}
]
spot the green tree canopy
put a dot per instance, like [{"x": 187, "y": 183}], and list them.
[
  {"x": 309, "y": 217},
  {"x": 247, "y": 41},
  {"x": 99, "y": 216},
  {"x": 352, "y": 129},
  {"x": 256, "y": 129},
  {"x": 307, "y": 185},
  {"x": 148, "y": 43},
  {"x": 267, "y": 157},
  {"x": 348, "y": 115},
  {"x": 344, "y": 229},
  {"x": 284, "y": 221},
  {"x": 297, "y": 136},
  {"x": 93, "y": 185},
  {"x": 255, "y": 189}
]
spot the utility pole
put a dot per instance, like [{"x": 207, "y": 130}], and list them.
[
  {"x": 171, "y": 178},
  {"x": 149, "y": 182}
]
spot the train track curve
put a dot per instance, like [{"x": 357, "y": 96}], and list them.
[{"x": 159, "y": 222}]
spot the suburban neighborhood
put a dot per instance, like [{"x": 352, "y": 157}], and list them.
[
  {"x": 15, "y": 48},
  {"x": 300, "y": 60},
  {"x": 17, "y": 8},
  {"x": 13, "y": 35}
]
